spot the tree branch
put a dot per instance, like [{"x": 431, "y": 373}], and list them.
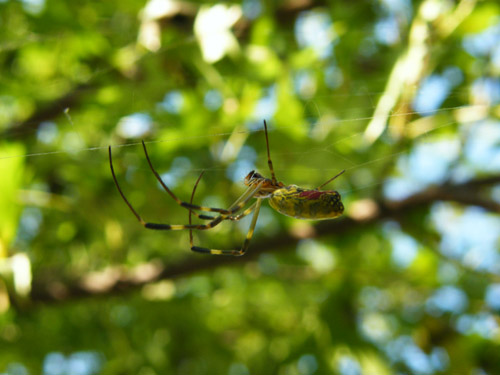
[
  {"x": 54, "y": 109},
  {"x": 117, "y": 280},
  {"x": 185, "y": 14}
]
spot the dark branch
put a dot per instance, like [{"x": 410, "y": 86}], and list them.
[
  {"x": 116, "y": 280},
  {"x": 183, "y": 18},
  {"x": 50, "y": 112}
]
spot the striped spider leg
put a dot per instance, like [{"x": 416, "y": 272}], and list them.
[
  {"x": 246, "y": 243},
  {"x": 224, "y": 214}
]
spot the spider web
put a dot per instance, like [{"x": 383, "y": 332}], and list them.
[
  {"x": 423, "y": 131},
  {"x": 397, "y": 163},
  {"x": 343, "y": 120},
  {"x": 321, "y": 127}
]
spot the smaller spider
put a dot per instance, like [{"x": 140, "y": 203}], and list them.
[{"x": 289, "y": 200}]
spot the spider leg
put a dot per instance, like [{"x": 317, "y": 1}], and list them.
[
  {"x": 120, "y": 190},
  {"x": 226, "y": 217},
  {"x": 243, "y": 214},
  {"x": 185, "y": 204},
  {"x": 330, "y": 180},
  {"x": 199, "y": 216},
  {"x": 205, "y": 217},
  {"x": 231, "y": 217},
  {"x": 246, "y": 243},
  {"x": 269, "y": 162},
  {"x": 242, "y": 201},
  {"x": 234, "y": 208},
  {"x": 191, "y": 211}
]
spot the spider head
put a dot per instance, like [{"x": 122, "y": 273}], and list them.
[
  {"x": 254, "y": 178},
  {"x": 267, "y": 187}
]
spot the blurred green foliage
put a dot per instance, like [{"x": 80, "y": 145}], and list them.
[{"x": 416, "y": 293}]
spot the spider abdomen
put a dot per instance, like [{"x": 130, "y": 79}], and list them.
[{"x": 307, "y": 204}]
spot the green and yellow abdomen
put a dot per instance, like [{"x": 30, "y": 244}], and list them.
[{"x": 307, "y": 204}]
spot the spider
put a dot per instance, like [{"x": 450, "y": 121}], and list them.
[{"x": 289, "y": 200}]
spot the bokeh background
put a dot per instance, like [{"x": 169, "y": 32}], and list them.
[{"x": 405, "y": 96}]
